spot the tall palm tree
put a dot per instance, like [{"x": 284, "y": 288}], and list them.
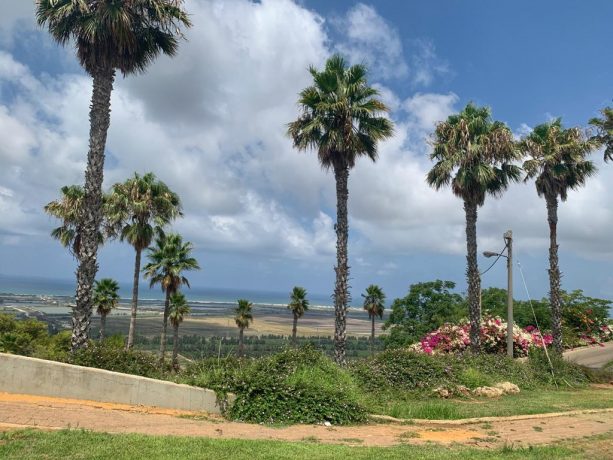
[
  {"x": 109, "y": 35},
  {"x": 558, "y": 161},
  {"x": 178, "y": 310},
  {"x": 106, "y": 297},
  {"x": 604, "y": 131},
  {"x": 68, "y": 209},
  {"x": 342, "y": 119},
  {"x": 242, "y": 317},
  {"x": 474, "y": 155},
  {"x": 168, "y": 259},
  {"x": 136, "y": 207},
  {"x": 298, "y": 304},
  {"x": 374, "y": 304}
]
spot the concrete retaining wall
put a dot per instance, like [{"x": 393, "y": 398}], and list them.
[{"x": 20, "y": 374}]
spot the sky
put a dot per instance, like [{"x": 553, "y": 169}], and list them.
[{"x": 211, "y": 123}]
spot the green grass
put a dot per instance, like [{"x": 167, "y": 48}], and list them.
[
  {"x": 87, "y": 445},
  {"x": 527, "y": 402}
]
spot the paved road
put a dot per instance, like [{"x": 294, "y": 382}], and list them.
[{"x": 594, "y": 357}]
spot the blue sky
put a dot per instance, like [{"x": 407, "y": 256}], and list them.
[{"x": 211, "y": 124}]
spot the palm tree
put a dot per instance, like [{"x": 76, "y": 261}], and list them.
[
  {"x": 604, "y": 128},
  {"x": 178, "y": 310},
  {"x": 557, "y": 159},
  {"x": 68, "y": 209},
  {"x": 136, "y": 207},
  {"x": 168, "y": 259},
  {"x": 474, "y": 155},
  {"x": 298, "y": 304},
  {"x": 374, "y": 304},
  {"x": 109, "y": 35},
  {"x": 106, "y": 297},
  {"x": 342, "y": 119},
  {"x": 243, "y": 317}
]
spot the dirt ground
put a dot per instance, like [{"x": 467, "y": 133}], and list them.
[{"x": 21, "y": 411}]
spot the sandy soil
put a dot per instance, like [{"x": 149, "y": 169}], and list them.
[{"x": 19, "y": 411}]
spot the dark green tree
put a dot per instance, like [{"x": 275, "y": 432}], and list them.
[
  {"x": 178, "y": 310},
  {"x": 604, "y": 131},
  {"x": 243, "y": 317},
  {"x": 374, "y": 304},
  {"x": 426, "y": 307},
  {"x": 106, "y": 298}
]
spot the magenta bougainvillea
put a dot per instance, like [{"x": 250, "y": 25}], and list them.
[{"x": 455, "y": 338}]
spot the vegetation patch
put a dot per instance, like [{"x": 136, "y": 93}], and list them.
[{"x": 294, "y": 386}]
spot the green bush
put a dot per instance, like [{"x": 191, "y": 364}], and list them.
[
  {"x": 403, "y": 370},
  {"x": 21, "y": 336},
  {"x": 294, "y": 386},
  {"x": 113, "y": 357},
  {"x": 564, "y": 372}
]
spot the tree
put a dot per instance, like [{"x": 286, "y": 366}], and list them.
[
  {"x": 136, "y": 207},
  {"x": 426, "y": 307},
  {"x": 109, "y": 35},
  {"x": 106, "y": 297},
  {"x": 178, "y": 310},
  {"x": 298, "y": 304},
  {"x": 374, "y": 304},
  {"x": 558, "y": 161},
  {"x": 604, "y": 131},
  {"x": 474, "y": 155},
  {"x": 342, "y": 119},
  {"x": 242, "y": 317},
  {"x": 168, "y": 259},
  {"x": 68, "y": 209}
]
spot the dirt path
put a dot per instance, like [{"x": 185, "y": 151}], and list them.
[{"x": 20, "y": 411}]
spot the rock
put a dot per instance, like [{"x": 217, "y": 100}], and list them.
[
  {"x": 442, "y": 392},
  {"x": 508, "y": 387},
  {"x": 326, "y": 423},
  {"x": 461, "y": 389},
  {"x": 488, "y": 392}
]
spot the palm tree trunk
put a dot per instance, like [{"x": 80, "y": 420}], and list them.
[
  {"x": 164, "y": 327},
  {"x": 175, "y": 346},
  {"x": 554, "y": 273},
  {"x": 102, "y": 326},
  {"x": 134, "y": 298},
  {"x": 341, "y": 289},
  {"x": 241, "y": 346},
  {"x": 472, "y": 276},
  {"x": 99, "y": 119},
  {"x": 295, "y": 329},
  {"x": 372, "y": 336}
]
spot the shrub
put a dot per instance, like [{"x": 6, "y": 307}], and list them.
[
  {"x": 564, "y": 372},
  {"x": 294, "y": 386},
  {"x": 21, "y": 336},
  {"x": 452, "y": 338},
  {"x": 113, "y": 357}
]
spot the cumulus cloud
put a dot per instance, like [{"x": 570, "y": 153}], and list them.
[{"x": 368, "y": 38}]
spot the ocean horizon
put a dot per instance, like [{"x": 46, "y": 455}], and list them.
[{"x": 23, "y": 285}]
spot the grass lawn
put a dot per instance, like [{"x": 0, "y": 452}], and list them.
[
  {"x": 527, "y": 402},
  {"x": 87, "y": 445}
]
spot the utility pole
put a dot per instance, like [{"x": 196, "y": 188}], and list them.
[{"x": 508, "y": 238}]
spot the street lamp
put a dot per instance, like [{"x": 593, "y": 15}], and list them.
[{"x": 508, "y": 239}]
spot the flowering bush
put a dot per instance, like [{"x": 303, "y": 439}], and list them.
[{"x": 455, "y": 338}]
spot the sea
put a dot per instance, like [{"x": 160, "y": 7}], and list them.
[{"x": 48, "y": 287}]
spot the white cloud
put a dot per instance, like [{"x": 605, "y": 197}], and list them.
[
  {"x": 370, "y": 39},
  {"x": 426, "y": 65}
]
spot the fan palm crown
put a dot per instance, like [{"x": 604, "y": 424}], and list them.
[
  {"x": 115, "y": 34},
  {"x": 374, "y": 301},
  {"x": 242, "y": 314},
  {"x": 604, "y": 131},
  {"x": 178, "y": 308},
  {"x": 298, "y": 302},
  {"x": 106, "y": 295}
]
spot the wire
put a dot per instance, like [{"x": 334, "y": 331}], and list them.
[
  {"x": 538, "y": 328},
  {"x": 494, "y": 263}
]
